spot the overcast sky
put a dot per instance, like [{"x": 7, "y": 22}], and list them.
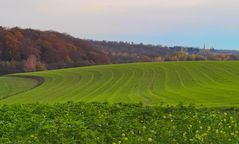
[{"x": 167, "y": 22}]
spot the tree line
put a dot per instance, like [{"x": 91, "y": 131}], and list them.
[
  {"x": 125, "y": 52},
  {"x": 26, "y": 50}
]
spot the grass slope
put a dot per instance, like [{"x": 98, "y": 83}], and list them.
[
  {"x": 206, "y": 83},
  {"x": 13, "y": 85}
]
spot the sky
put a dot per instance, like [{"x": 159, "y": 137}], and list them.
[{"x": 165, "y": 22}]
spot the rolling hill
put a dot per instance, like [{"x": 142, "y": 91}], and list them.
[
  {"x": 201, "y": 83},
  {"x": 13, "y": 85}
]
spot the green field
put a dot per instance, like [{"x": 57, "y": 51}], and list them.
[
  {"x": 200, "y": 83},
  {"x": 13, "y": 85},
  {"x": 101, "y": 123}
]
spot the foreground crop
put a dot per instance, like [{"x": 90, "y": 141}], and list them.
[{"x": 118, "y": 123}]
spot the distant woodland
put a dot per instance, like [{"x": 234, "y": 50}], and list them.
[
  {"x": 27, "y": 50},
  {"x": 124, "y": 52}
]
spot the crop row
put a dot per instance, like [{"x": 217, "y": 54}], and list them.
[{"x": 117, "y": 123}]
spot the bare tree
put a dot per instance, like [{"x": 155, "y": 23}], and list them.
[{"x": 30, "y": 64}]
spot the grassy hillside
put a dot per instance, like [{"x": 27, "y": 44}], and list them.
[
  {"x": 206, "y": 83},
  {"x": 13, "y": 85}
]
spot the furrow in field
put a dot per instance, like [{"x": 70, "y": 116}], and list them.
[
  {"x": 116, "y": 85},
  {"x": 147, "y": 76},
  {"x": 154, "y": 84},
  {"x": 107, "y": 78},
  {"x": 118, "y": 78},
  {"x": 71, "y": 82},
  {"x": 205, "y": 83}
]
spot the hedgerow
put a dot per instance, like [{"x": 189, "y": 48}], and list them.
[{"x": 118, "y": 123}]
